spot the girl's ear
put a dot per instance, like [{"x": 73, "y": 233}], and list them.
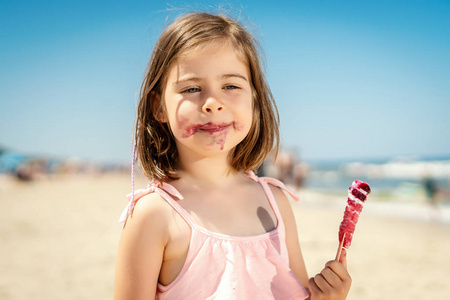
[{"x": 157, "y": 108}]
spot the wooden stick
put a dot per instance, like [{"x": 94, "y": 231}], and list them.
[{"x": 338, "y": 254}]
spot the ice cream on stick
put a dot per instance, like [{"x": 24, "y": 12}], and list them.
[{"x": 357, "y": 195}]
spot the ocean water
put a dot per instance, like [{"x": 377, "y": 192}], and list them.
[
  {"x": 397, "y": 194},
  {"x": 383, "y": 175},
  {"x": 332, "y": 181}
]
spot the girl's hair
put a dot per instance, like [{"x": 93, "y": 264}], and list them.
[{"x": 156, "y": 148}]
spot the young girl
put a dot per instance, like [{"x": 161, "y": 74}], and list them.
[{"x": 207, "y": 227}]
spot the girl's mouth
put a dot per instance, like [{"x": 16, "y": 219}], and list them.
[{"x": 209, "y": 127}]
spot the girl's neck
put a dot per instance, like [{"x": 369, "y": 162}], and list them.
[{"x": 212, "y": 171}]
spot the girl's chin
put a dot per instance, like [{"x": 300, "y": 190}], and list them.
[
  {"x": 210, "y": 142},
  {"x": 209, "y": 148}
]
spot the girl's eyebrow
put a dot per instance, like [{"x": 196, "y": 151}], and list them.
[
  {"x": 197, "y": 79},
  {"x": 187, "y": 78},
  {"x": 234, "y": 75}
]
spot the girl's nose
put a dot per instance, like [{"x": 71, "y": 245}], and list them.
[{"x": 211, "y": 105}]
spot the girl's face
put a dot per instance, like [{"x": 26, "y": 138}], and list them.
[{"x": 208, "y": 100}]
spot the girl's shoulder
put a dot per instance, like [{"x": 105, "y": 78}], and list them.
[
  {"x": 151, "y": 215},
  {"x": 280, "y": 194},
  {"x": 281, "y": 199},
  {"x": 150, "y": 205}
]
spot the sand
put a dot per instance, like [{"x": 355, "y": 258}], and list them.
[{"x": 58, "y": 240}]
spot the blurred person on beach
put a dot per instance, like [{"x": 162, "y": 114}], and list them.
[
  {"x": 207, "y": 227},
  {"x": 431, "y": 189},
  {"x": 285, "y": 166},
  {"x": 300, "y": 173}
]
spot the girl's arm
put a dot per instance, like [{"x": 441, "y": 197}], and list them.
[
  {"x": 333, "y": 282},
  {"x": 296, "y": 262},
  {"x": 141, "y": 250}
]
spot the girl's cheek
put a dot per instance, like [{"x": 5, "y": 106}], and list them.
[
  {"x": 182, "y": 124},
  {"x": 178, "y": 111}
]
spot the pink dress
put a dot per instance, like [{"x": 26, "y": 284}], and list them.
[{"x": 227, "y": 267}]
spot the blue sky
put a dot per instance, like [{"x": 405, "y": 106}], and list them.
[{"x": 352, "y": 79}]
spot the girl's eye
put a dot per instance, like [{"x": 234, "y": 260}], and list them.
[
  {"x": 191, "y": 90},
  {"x": 231, "y": 87}
]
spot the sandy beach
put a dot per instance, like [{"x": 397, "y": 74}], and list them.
[{"x": 59, "y": 237}]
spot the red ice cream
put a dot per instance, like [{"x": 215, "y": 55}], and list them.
[
  {"x": 357, "y": 195},
  {"x": 218, "y": 132}
]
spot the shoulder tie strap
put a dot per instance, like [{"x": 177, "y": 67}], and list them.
[
  {"x": 274, "y": 182},
  {"x": 163, "y": 189}
]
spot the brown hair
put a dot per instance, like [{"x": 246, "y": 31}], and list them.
[{"x": 156, "y": 148}]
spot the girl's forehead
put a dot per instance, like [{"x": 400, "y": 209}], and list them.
[
  {"x": 218, "y": 62},
  {"x": 213, "y": 45}
]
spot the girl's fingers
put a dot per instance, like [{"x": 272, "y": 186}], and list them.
[
  {"x": 331, "y": 278},
  {"x": 340, "y": 271},
  {"x": 313, "y": 288},
  {"x": 333, "y": 281},
  {"x": 327, "y": 285},
  {"x": 343, "y": 258},
  {"x": 322, "y": 284}
]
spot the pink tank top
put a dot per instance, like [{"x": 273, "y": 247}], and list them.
[{"x": 227, "y": 267}]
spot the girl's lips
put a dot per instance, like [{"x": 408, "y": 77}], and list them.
[
  {"x": 217, "y": 133},
  {"x": 211, "y": 127},
  {"x": 207, "y": 127}
]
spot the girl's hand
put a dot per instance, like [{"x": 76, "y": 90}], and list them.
[{"x": 333, "y": 282}]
